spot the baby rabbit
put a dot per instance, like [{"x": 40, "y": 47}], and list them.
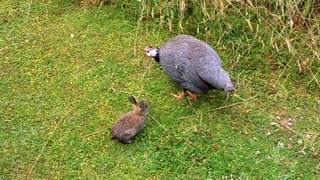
[{"x": 129, "y": 124}]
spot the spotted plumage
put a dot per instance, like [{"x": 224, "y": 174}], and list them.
[{"x": 192, "y": 64}]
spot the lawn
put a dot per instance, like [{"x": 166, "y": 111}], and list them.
[{"x": 66, "y": 72}]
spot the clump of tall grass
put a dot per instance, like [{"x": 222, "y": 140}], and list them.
[
  {"x": 289, "y": 27},
  {"x": 185, "y": 13}
]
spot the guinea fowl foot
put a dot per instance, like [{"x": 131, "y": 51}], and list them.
[
  {"x": 180, "y": 95},
  {"x": 192, "y": 96}
]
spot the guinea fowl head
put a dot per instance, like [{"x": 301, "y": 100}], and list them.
[{"x": 152, "y": 51}]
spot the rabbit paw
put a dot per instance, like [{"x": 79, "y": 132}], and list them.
[{"x": 127, "y": 141}]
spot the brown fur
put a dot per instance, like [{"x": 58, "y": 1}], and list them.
[{"x": 129, "y": 124}]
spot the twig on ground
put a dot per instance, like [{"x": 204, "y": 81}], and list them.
[
  {"x": 280, "y": 122},
  {"x": 314, "y": 77},
  {"x": 46, "y": 143},
  {"x": 222, "y": 107},
  {"x": 29, "y": 9},
  {"x": 157, "y": 122},
  {"x": 287, "y": 127},
  {"x": 91, "y": 134}
]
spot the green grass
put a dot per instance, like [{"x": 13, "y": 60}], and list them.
[{"x": 61, "y": 94}]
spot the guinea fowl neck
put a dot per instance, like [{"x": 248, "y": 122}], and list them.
[
  {"x": 156, "y": 56},
  {"x": 157, "y": 59}
]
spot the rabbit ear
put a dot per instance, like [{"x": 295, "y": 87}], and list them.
[{"x": 132, "y": 100}]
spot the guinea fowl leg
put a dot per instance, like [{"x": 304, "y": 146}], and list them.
[
  {"x": 192, "y": 96},
  {"x": 180, "y": 95},
  {"x": 228, "y": 95}
]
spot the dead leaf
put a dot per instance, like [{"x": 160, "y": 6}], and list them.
[
  {"x": 268, "y": 133},
  {"x": 304, "y": 64},
  {"x": 287, "y": 122},
  {"x": 288, "y": 43},
  {"x": 287, "y": 162},
  {"x": 54, "y": 123},
  {"x": 215, "y": 146},
  {"x": 315, "y": 154},
  {"x": 197, "y": 129}
]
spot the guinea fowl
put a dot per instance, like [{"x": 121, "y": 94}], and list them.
[{"x": 192, "y": 64}]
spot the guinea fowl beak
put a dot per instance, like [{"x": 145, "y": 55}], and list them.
[{"x": 145, "y": 51}]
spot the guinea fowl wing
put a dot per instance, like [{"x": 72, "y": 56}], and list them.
[
  {"x": 179, "y": 63},
  {"x": 182, "y": 72},
  {"x": 174, "y": 62}
]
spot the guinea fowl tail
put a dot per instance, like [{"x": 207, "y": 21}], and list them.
[
  {"x": 217, "y": 77},
  {"x": 229, "y": 87}
]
